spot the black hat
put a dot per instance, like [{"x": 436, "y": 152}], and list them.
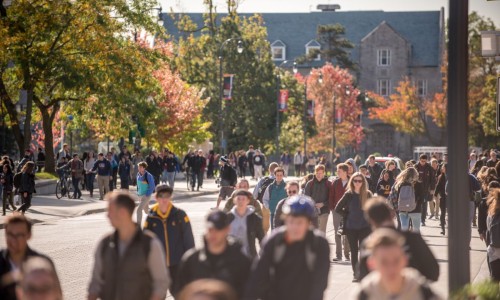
[{"x": 218, "y": 219}]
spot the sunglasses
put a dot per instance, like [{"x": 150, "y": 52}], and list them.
[
  {"x": 357, "y": 181},
  {"x": 292, "y": 192}
]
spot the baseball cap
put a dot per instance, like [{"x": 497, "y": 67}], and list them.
[{"x": 218, "y": 219}]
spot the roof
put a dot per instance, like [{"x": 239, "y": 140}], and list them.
[{"x": 295, "y": 30}]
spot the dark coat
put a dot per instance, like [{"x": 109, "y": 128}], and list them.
[
  {"x": 27, "y": 183},
  {"x": 255, "y": 231},
  {"x": 231, "y": 267}
]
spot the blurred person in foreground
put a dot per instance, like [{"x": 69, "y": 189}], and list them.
[
  {"x": 207, "y": 289},
  {"x": 129, "y": 264},
  {"x": 390, "y": 278},
  {"x": 39, "y": 281},
  {"x": 294, "y": 259}
]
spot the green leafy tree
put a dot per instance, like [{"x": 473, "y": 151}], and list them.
[{"x": 334, "y": 47}]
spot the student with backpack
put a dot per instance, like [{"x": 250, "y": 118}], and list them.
[
  {"x": 258, "y": 193},
  {"x": 493, "y": 234},
  {"x": 294, "y": 259},
  {"x": 145, "y": 188},
  {"x": 274, "y": 193},
  {"x": 405, "y": 201}
]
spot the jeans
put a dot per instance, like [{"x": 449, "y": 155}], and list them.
[
  {"x": 76, "y": 187},
  {"x": 405, "y": 221},
  {"x": 355, "y": 238},
  {"x": 297, "y": 170},
  {"x": 340, "y": 240},
  {"x": 26, "y": 202},
  {"x": 90, "y": 182},
  {"x": 164, "y": 176},
  {"x": 171, "y": 179},
  {"x": 472, "y": 208},
  {"x": 143, "y": 207},
  {"x": 442, "y": 206},
  {"x": 251, "y": 168},
  {"x": 196, "y": 176}
]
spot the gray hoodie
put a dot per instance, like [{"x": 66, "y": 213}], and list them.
[{"x": 239, "y": 228}]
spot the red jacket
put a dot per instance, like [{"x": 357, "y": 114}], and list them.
[{"x": 337, "y": 191}]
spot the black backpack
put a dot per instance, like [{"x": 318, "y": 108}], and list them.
[
  {"x": 17, "y": 180},
  {"x": 265, "y": 183}
]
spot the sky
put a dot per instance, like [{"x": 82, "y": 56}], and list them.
[{"x": 485, "y": 8}]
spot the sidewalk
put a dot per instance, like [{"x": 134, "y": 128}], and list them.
[{"x": 47, "y": 208}]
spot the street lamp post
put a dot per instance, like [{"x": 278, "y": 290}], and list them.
[
  {"x": 221, "y": 91},
  {"x": 278, "y": 85}
]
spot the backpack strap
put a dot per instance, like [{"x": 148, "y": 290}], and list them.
[{"x": 427, "y": 293}]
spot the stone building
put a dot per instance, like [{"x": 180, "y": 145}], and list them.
[{"x": 389, "y": 46}]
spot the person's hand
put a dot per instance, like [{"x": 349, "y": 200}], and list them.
[
  {"x": 481, "y": 236},
  {"x": 319, "y": 205}
]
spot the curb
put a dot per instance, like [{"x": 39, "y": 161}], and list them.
[{"x": 100, "y": 210}]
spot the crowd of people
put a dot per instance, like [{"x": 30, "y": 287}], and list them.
[{"x": 270, "y": 243}]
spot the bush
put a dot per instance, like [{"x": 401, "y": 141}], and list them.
[
  {"x": 43, "y": 175},
  {"x": 484, "y": 290}
]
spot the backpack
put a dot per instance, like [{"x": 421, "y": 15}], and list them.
[
  {"x": 280, "y": 249},
  {"x": 265, "y": 183},
  {"x": 406, "y": 198},
  {"x": 17, "y": 180},
  {"x": 494, "y": 231}
]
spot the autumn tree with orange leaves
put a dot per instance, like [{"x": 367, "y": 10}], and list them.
[
  {"x": 336, "y": 86},
  {"x": 407, "y": 112}
]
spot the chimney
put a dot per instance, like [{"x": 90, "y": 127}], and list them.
[{"x": 328, "y": 7}]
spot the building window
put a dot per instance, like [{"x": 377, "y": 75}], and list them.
[
  {"x": 422, "y": 87},
  {"x": 278, "y": 50},
  {"x": 384, "y": 87},
  {"x": 313, "y": 45},
  {"x": 384, "y": 57}
]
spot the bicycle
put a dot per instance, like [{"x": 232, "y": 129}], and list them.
[{"x": 64, "y": 186}]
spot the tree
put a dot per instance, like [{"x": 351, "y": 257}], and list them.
[
  {"x": 336, "y": 89},
  {"x": 249, "y": 118},
  {"x": 406, "y": 111},
  {"x": 334, "y": 47},
  {"x": 482, "y": 74},
  {"x": 68, "y": 52}
]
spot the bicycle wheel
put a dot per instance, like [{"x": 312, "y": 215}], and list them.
[
  {"x": 70, "y": 189},
  {"x": 59, "y": 190}
]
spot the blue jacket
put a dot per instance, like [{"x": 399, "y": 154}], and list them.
[
  {"x": 173, "y": 229},
  {"x": 146, "y": 179}
]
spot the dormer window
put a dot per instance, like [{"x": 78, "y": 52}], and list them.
[
  {"x": 278, "y": 50},
  {"x": 313, "y": 45}
]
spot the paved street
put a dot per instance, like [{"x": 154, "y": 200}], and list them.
[{"x": 71, "y": 243}]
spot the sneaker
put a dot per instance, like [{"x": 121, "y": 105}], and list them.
[
  {"x": 347, "y": 258},
  {"x": 337, "y": 259},
  {"x": 423, "y": 224},
  {"x": 355, "y": 279},
  {"x": 431, "y": 216}
]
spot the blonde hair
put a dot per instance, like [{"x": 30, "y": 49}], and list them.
[
  {"x": 409, "y": 175},
  {"x": 364, "y": 193}
]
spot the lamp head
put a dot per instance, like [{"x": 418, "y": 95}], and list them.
[
  {"x": 239, "y": 47},
  {"x": 295, "y": 69}
]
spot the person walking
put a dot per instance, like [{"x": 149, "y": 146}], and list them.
[
  {"x": 493, "y": 234},
  {"x": 154, "y": 166},
  {"x": 197, "y": 165},
  {"x": 114, "y": 170},
  {"x": 136, "y": 159},
  {"x": 319, "y": 190},
  {"x": 250, "y": 153},
  {"x": 338, "y": 188},
  {"x": 293, "y": 259},
  {"x": 351, "y": 207},
  {"x": 76, "y": 167},
  {"x": 246, "y": 226},
  {"x": 258, "y": 164},
  {"x": 124, "y": 171},
  {"x": 220, "y": 257},
  {"x": 18, "y": 231},
  {"x": 243, "y": 184},
  {"x": 40, "y": 159},
  {"x": 440, "y": 193},
  {"x": 274, "y": 193},
  {"x": 391, "y": 280},
  {"x": 7, "y": 180},
  {"x": 228, "y": 180},
  {"x": 380, "y": 215},
  {"x": 172, "y": 227},
  {"x": 27, "y": 186},
  {"x": 170, "y": 165},
  {"x": 425, "y": 185},
  {"x": 242, "y": 164},
  {"x": 88, "y": 164},
  {"x": 405, "y": 200},
  {"x": 145, "y": 188},
  {"x": 297, "y": 163},
  {"x": 104, "y": 173},
  {"x": 285, "y": 161},
  {"x": 129, "y": 263}
]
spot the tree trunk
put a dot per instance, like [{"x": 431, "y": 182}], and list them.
[
  {"x": 28, "y": 86},
  {"x": 11, "y": 110},
  {"x": 47, "y": 121}
]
